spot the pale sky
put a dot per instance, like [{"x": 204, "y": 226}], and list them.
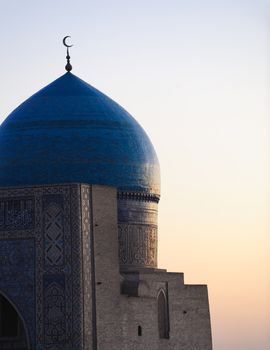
[{"x": 195, "y": 74}]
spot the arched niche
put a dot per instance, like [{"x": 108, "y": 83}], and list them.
[
  {"x": 13, "y": 334},
  {"x": 163, "y": 314}
]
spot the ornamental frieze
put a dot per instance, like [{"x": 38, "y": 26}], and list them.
[{"x": 137, "y": 245}]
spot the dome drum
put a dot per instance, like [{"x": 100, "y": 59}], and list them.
[{"x": 137, "y": 232}]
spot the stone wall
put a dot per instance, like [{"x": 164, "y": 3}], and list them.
[
  {"x": 189, "y": 318},
  {"x": 59, "y": 266}
]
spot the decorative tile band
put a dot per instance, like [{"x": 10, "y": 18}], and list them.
[{"x": 138, "y": 196}]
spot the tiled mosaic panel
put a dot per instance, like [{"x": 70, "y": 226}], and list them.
[
  {"x": 17, "y": 271},
  {"x": 17, "y": 214},
  {"x": 49, "y": 218}
]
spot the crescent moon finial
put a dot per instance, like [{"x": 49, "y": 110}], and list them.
[
  {"x": 68, "y": 66},
  {"x": 64, "y": 41}
]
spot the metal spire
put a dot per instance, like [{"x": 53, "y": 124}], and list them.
[{"x": 68, "y": 65}]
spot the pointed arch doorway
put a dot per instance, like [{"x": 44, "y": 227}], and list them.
[{"x": 12, "y": 330}]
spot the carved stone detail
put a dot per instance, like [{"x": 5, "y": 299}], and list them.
[
  {"x": 85, "y": 199},
  {"x": 137, "y": 245},
  {"x": 137, "y": 230}
]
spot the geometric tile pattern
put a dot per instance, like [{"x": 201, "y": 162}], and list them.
[
  {"x": 87, "y": 290},
  {"x": 16, "y": 214},
  {"x": 54, "y": 314},
  {"x": 17, "y": 271},
  {"x": 54, "y": 243},
  {"x": 48, "y": 219},
  {"x": 137, "y": 245}
]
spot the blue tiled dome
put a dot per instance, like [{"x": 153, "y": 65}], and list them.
[{"x": 71, "y": 132}]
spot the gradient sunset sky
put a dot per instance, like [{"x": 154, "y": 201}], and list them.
[{"x": 195, "y": 74}]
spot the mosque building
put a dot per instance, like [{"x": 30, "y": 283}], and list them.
[{"x": 79, "y": 193}]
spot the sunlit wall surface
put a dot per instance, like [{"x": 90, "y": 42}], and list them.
[{"x": 195, "y": 74}]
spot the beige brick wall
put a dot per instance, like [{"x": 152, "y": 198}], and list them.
[
  {"x": 188, "y": 311},
  {"x": 107, "y": 277},
  {"x": 118, "y": 316}
]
